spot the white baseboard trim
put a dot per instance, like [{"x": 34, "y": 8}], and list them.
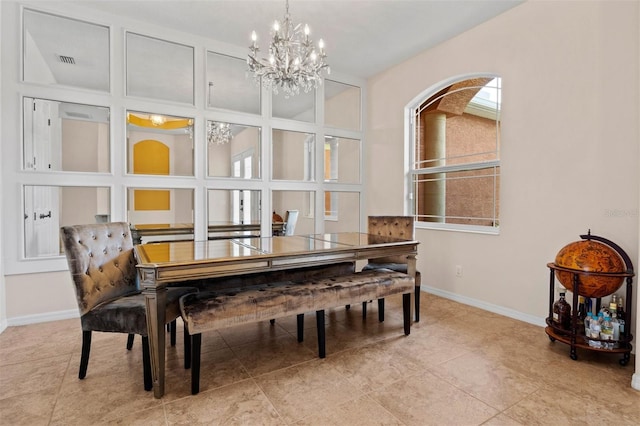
[
  {"x": 635, "y": 381},
  {"x": 3, "y": 325},
  {"x": 501, "y": 310},
  {"x": 46, "y": 317}
]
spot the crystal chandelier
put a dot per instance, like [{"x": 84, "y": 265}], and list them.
[
  {"x": 293, "y": 62},
  {"x": 218, "y": 133}
]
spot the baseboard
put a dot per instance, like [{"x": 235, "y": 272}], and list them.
[
  {"x": 3, "y": 325},
  {"x": 635, "y": 381},
  {"x": 501, "y": 310},
  {"x": 46, "y": 317}
]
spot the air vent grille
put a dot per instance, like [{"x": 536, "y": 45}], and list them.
[{"x": 67, "y": 59}]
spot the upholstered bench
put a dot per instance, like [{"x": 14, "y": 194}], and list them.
[{"x": 206, "y": 311}]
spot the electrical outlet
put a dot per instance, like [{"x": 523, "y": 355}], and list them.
[{"x": 458, "y": 270}]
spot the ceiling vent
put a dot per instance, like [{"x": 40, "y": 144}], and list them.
[
  {"x": 67, "y": 59},
  {"x": 73, "y": 114}
]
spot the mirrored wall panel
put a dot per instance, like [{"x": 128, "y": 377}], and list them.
[
  {"x": 64, "y": 51},
  {"x": 341, "y": 160},
  {"x": 233, "y": 213},
  {"x": 300, "y": 107},
  {"x": 166, "y": 206},
  {"x": 233, "y": 150},
  {"x": 293, "y": 155},
  {"x": 342, "y": 105},
  {"x": 63, "y": 136},
  {"x": 341, "y": 211},
  {"x": 229, "y": 87},
  {"x": 159, "y": 69},
  {"x": 159, "y": 144},
  {"x": 301, "y": 204},
  {"x": 47, "y": 208}
]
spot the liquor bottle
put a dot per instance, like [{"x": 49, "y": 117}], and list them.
[
  {"x": 582, "y": 310},
  {"x": 562, "y": 313},
  {"x": 620, "y": 308}
]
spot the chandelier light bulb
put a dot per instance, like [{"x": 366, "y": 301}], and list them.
[{"x": 293, "y": 63}]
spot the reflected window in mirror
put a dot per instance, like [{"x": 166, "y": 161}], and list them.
[
  {"x": 233, "y": 213},
  {"x": 159, "y": 144},
  {"x": 341, "y": 211},
  {"x": 233, "y": 150},
  {"x": 64, "y": 51},
  {"x": 341, "y": 160},
  {"x": 342, "y": 105},
  {"x": 64, "y": 136},
  {"x": 293, "y": 155},
  {"x": 228, "y": 86},
  {"x": 160, "y": 206},
  {"x": 159, "y": 69},
  {"x": 47, "y": 208},
  {"x": 301, "y": 201},
  {"x": 300, "y": 107}
]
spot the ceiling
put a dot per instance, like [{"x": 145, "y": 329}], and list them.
[{"x": 362, "y": 37}]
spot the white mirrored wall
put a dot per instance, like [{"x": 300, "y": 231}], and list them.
[{"x": 174, "y": 142}]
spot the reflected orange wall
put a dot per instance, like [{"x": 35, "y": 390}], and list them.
[{"x": 151, "y": 157}]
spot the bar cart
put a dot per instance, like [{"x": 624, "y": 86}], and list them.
[{"x": 584, "y": 282}]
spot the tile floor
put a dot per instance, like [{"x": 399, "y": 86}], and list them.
[{"x": 459, "y": 366}]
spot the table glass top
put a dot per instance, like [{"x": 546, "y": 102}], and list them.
[{"x": 255, "y": 248}]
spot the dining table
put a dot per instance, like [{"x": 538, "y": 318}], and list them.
[{"x": 179, "y": 262}]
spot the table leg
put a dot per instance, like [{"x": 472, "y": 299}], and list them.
[{"x": 155, "y": 301}]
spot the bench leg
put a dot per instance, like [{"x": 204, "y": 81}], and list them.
[
  {"x": 381, "y": 310},
  {"x": 300, "y": 324},
  {"x": 321, "y": 338},
  {"x": 417, "y": 303},
  {"x": 196, "y": 346},
  {"x": 406, "y": 312},
  {"x": 187, "y": 348},
  {"x": 130, "y": 338},
  {"x": 364, "y": 310},
  {"x": 272, "y": 321},
  {"x": 173, "y": 332},
  {"x": 417, "y": 297}
]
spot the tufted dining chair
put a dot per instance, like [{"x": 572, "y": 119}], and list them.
[
  {"x": 398, "y": 227},
  {"x": 102, "y": 265}
]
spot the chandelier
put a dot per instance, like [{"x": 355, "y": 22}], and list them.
[
  {"x": 218, "y": 133},
  {"x": 293, "y": 62}
]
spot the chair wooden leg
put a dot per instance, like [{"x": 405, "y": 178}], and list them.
[
  {"x": 300, "y": 326},
  {"x": 187, "y": 348},
  {"x": 322, "y": 351},
  {"x": 381, "y": 310},
  {"x": 347, "y": 307},
  {"x": 196, "y": 346},
  {"x": 130, "y": 341},
  {"x": 146, "y": 364},
  {"x": 173, "y": 332},
  {"x": 406, "y": 312},
  {"x": 84, "y": 358},
  {"x": 272, "y": 321},
  {"x": 364, "y": 310}
]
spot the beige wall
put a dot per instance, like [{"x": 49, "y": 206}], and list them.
[{"x": 569, "y": 145}]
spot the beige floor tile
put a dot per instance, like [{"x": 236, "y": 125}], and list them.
[
  {"x": 459, "y": 366},
  {"x": 30, "y": 409},
  {"x": 33, "y": 376},
  {"x": 428, "y": 400},
  {"x": 362, "y": 411},
  {"x": 242, "y": 403},
  {"x": 264, "y": 356},
  {"x": 151, "y": 417},
  {"x": 485, "y": 379},
  {"x": 306, "y": 389}
]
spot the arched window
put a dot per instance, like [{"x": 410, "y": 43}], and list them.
[{"x": 455, "y": 155}]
